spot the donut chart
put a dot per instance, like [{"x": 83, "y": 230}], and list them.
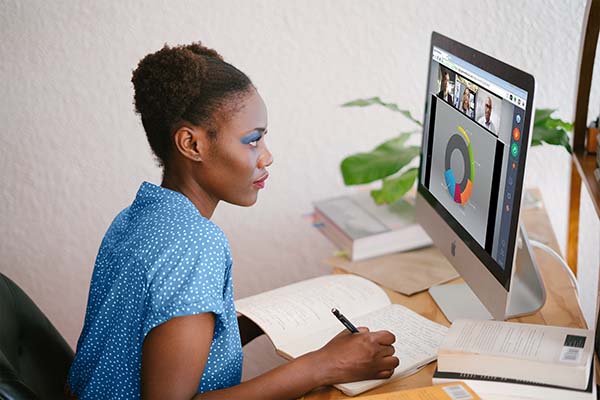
[{"x": 460, "y": 191}]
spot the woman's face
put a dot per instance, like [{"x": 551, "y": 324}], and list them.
[
  {"x": 465, "y": 100},
  {"x": 235, "y": 167}
]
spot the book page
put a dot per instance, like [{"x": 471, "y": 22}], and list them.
[
  {"x": 417, "y": 341},
  {"x": 417, "y": 338},
  {"x": 295, "y": 313}
]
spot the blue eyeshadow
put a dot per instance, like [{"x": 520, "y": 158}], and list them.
[{"x": 251, "y": 137}]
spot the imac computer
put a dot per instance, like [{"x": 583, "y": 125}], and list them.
[{"x": 476, "y": 133}]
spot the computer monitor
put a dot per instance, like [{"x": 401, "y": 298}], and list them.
[{"x": 476, "y": 133}]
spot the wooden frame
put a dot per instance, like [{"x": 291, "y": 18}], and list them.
[{"x": 583, "y": 164}]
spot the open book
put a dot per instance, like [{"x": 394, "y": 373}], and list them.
[{"x": 298, "y": 319}]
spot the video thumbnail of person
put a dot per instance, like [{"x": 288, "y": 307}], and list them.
[
  {"x": 488, "y": 110},
  {"x": 445, "y": 84},
  {"x": 464, "y": 96}
]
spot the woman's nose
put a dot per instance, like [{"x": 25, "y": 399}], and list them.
[{"x": 265, "y": 159}]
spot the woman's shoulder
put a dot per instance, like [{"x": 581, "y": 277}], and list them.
[
  {"x": 167, "y": 209},
  {"x": 178, "y": 222}
]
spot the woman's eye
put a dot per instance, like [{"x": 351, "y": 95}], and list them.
[{"x": 253, "y": 138}]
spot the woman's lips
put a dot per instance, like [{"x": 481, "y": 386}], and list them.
[{"x": 261, "y": 182}]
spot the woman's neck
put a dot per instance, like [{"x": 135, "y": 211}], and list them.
[{"x": 187, "y": 186}]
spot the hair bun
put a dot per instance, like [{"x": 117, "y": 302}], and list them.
[
  {"x": 166, "y": 82},
  {"x": 199, "y": 49}
]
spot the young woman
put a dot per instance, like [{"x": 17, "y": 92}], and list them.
[{"x": 160, "y": 320}]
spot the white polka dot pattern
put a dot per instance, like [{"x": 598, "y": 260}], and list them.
[{"x": 159, "y": 259}]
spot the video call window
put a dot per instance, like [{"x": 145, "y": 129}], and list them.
[{"x": 473, "y": 101}]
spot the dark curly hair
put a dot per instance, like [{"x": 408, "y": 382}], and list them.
[{"x": 184, "y": 83}]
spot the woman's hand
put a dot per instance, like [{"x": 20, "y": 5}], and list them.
[{"x": 350, "y": 357}]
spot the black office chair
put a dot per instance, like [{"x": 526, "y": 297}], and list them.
[{"x": 34, "y": 357}]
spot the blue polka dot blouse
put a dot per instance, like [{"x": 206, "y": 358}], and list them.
[{"x": 159, "y": 259}]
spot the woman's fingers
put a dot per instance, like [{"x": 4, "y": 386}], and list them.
[
  {"x": 387, "y": 373},
  {"x": 390, "y": 362},
  {"x": 387, "y": 351},
  {"x": 384, "y": 337}
]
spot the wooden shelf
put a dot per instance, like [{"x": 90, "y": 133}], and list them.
[
  {"x": 586, "y": 164},
  {"x": 583, "y": 165}
]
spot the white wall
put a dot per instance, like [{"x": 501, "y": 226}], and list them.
[
  {"x": 588, "y": 258},
  {"x": 72, "y": 152}
]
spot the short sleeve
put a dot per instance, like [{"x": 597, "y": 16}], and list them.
[{"x": 189, "y": 279}]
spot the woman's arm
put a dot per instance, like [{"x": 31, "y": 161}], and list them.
[
  {"x": 346, "y": 358},
  {"x": 248, "y": 330},
  {"x": 175, "y": 353}
]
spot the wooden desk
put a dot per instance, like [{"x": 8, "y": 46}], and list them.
[{"x": 561, "y": 308}]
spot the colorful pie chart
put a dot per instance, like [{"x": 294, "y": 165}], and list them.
[{"x": 460, "y": 191}]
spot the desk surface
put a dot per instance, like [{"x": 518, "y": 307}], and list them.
[{"x": 561, "y": 308}]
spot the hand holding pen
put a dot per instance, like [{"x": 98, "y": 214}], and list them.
[
  {"x": 344, "y": 320},
  {"x": 359, "y": 355}
]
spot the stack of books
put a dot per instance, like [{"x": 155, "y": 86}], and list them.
[
  {"x": 514, "y": 360},
  {"x": 363, "y": 229}
]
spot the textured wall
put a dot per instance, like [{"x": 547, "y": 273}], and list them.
[{"x": 72, "y": 152}]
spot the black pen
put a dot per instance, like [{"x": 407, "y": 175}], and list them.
[{"x": 344, "y": 320}]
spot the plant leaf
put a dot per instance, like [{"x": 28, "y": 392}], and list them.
[
  {"x": 543, "y": 118},
  {"x": 363, "y": 168},
  {"x": 541, "y": 114},
  {"x": 550, "y": 130},
  {"x": 551, "y": 136},
  {"x": 536, "y": 142},
  {"x": 396, "y": 143},
  {"x": 558, "y": 123},
  {"x": 390, "y": 106},
  {"x": 393, "y": 189}
]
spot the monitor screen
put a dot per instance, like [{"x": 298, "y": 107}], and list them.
[{"x": 473, "y": 153}]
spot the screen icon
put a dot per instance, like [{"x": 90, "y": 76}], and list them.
[
  {"x": 516, "y": 134},
  {"x": 514, "y": 149}
]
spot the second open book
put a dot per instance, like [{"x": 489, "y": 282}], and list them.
[{"x": 298, "y": 319}]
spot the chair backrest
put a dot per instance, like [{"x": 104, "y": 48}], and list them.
[{"x": 34, "y": 357}]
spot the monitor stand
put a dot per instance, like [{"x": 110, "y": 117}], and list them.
[{"x": 527, "y": 292}]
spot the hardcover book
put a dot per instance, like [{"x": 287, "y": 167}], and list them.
[
  {"x": 491, "y": 387},
  {"x": 364, "y": 229},
  {"x": 543, "y": 354}
]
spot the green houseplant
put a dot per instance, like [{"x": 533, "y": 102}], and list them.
[{"x": 392, "y": 161}]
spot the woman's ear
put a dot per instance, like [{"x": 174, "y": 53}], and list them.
[{"x": 191, "y": 142}]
